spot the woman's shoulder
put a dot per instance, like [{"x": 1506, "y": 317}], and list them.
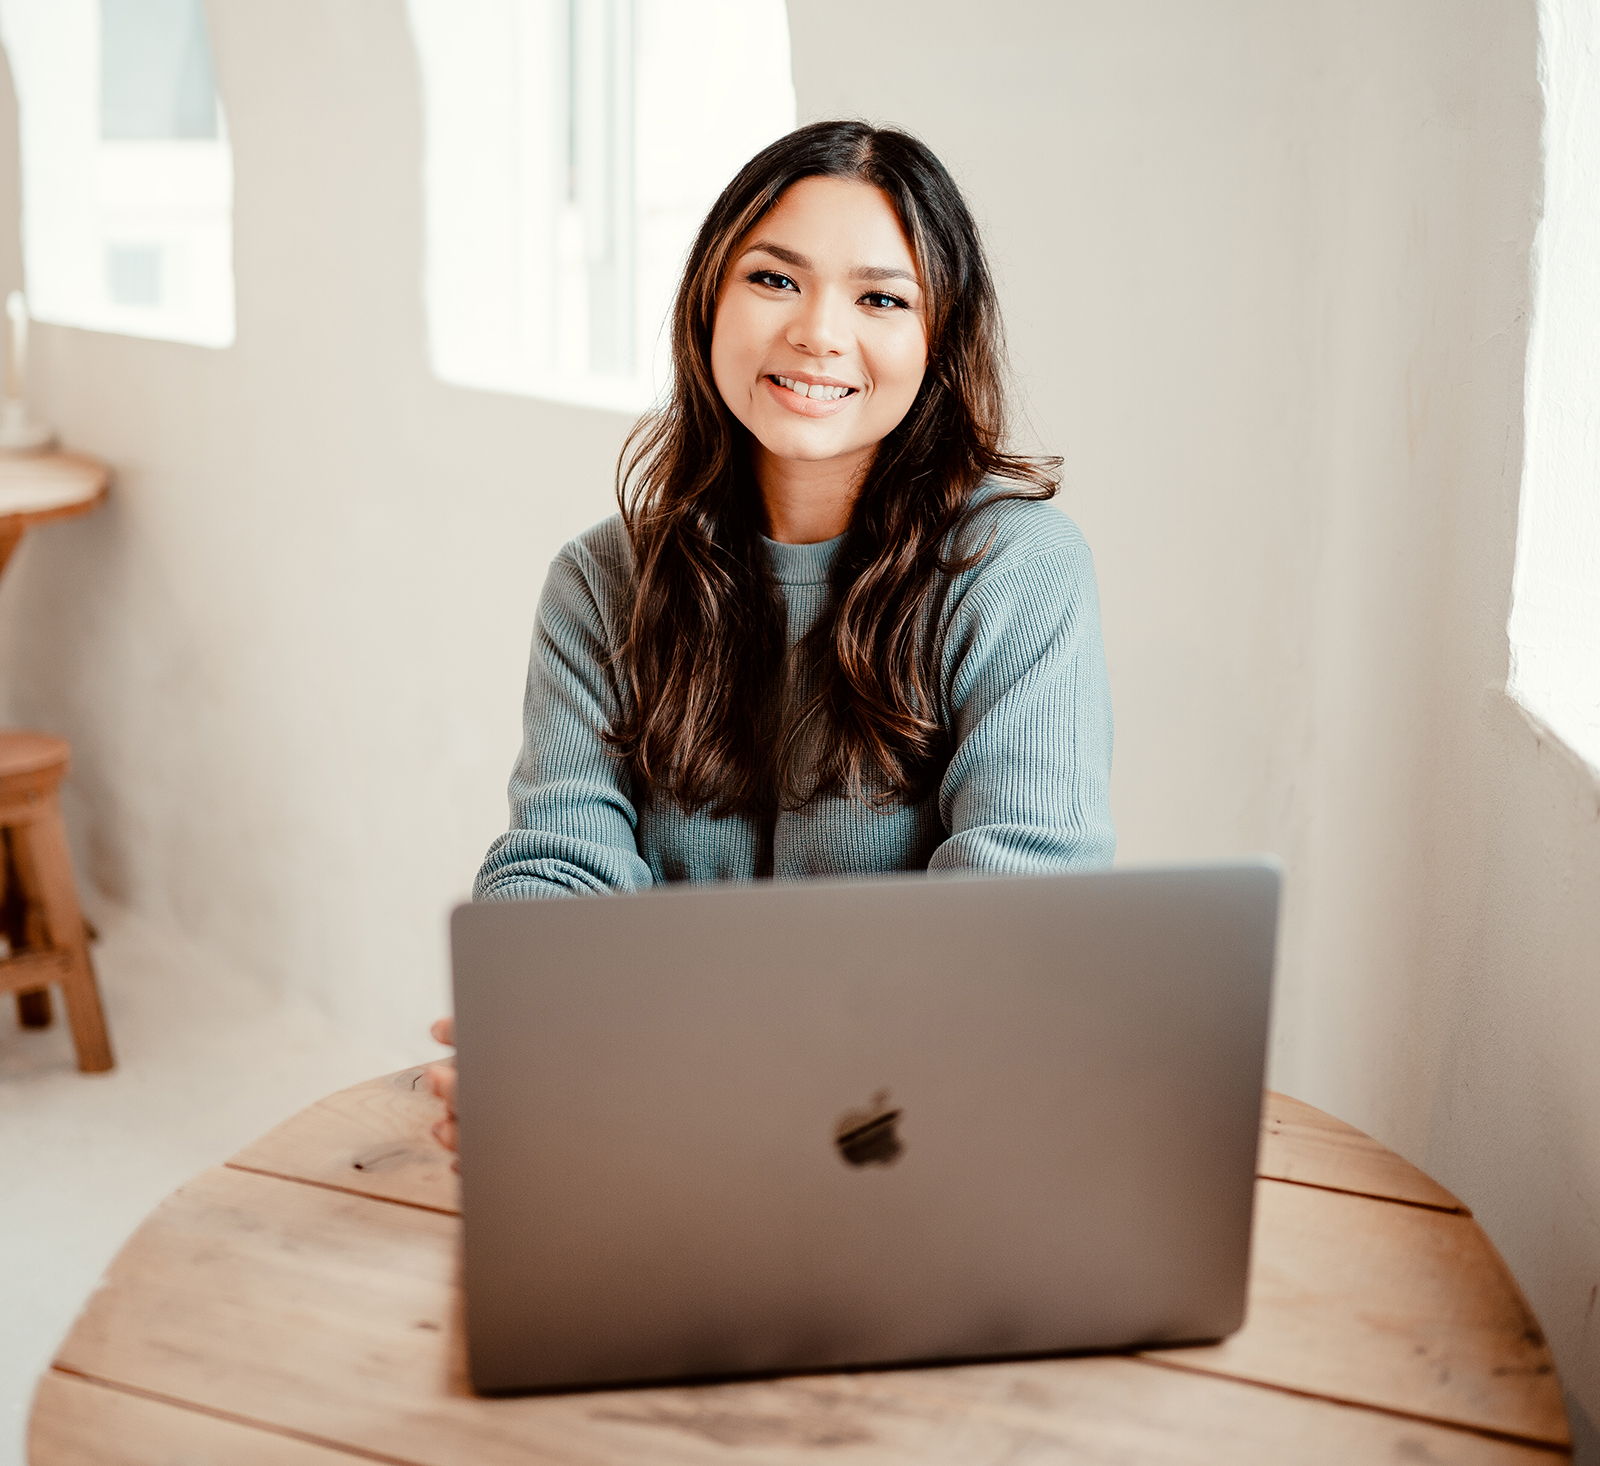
[
  {"x": 601, "y": 557},
  {"x": 1012, "y": 533}
]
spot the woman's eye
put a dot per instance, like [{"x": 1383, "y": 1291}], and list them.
[
  {"x": 880, "y": 300},
  {"x": 772, "y": 278}
]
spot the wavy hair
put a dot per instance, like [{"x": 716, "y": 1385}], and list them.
[{"x": 702, "y": 657}]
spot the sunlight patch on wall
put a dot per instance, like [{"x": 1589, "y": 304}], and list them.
[
  {"x": 127, "y": 171},
  {"x": 1555, "y": 616}
]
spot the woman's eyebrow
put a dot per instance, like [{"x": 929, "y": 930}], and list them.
[{"x": 861, "y": 272}]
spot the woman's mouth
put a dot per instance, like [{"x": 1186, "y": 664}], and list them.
[{"x": 809, "y": 399}]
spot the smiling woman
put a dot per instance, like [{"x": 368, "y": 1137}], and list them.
[
  {"x": 806, "y": 333},
  {"x": 835, "y": 629}
]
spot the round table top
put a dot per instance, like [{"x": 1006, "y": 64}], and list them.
[
  {"x": 31, "y": 762},
  {"x": 24, "y": 753},
  {"x": 299, "y": 1305},
  {"x": 36, "y": 487}
]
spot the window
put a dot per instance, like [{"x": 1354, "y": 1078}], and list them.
[
  {"x": 571, "y": 149},
  {"x": 1555, "y": 616},
  {"x": 127, "y": 174}
]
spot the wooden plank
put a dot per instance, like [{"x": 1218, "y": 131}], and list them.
[
  {"x": 1106, "y": 1414},
  {"x": 334, "y": 1315},
  {"x": 84, "y": 1423},
  {"x": 1098, "y": 1412},
  {"x": 1400, "y": 1307},
  {"x": 1300, "y": 1143},
  {"x": 373, "y": 1138}
]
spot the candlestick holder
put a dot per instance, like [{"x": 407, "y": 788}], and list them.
[{"x": 20, "y": 431}]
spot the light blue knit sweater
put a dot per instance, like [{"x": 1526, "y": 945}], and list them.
[{"x": 1024, "y": 675}]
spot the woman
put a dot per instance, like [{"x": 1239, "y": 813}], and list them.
[{"x": 834, "y": 629}]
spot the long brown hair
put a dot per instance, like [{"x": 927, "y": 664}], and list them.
[{"x": 702, "y": 658}]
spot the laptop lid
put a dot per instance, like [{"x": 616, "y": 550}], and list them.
[{"x": 768, "y": 1127}]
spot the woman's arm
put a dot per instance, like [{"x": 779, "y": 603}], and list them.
[
  {"x": 572, "y": 811},
  {"x": 1027, "y": 788}
]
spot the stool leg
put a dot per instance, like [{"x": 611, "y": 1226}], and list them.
[
  {"x": 44, "y": 868},
  {"x": 33, "y": 1008}
]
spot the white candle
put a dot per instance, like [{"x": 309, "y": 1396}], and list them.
[{"x": 16, "y": 344}]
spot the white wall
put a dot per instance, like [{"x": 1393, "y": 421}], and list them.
[
  {"x": 289, "y": 652},
  {"x": 1515, "y": 908},
  {"x": 1266, "y": 271}
]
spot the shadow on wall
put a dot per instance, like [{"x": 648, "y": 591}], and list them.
[{"x": 1585, "y": 1435}]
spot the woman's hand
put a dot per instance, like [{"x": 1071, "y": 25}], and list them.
[{"x": 442, "y": 1081}]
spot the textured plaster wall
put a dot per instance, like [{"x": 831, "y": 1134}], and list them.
[
  {"x": 1266, "y": 270},
  {"x": 289, "y": 652},
  {"x": 1268, "y": 275},
  {"x": 1515, "y": 894}
]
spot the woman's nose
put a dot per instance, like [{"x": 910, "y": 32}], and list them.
[{"x": 819, "y": 327}]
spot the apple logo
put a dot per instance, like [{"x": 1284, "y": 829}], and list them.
[{"x": 868, "y": 1137}]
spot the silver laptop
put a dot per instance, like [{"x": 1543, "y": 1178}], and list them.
[{"x": 756, "y": 1128}]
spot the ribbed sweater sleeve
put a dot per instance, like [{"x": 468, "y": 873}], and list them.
[
  {"x": 1026, "y": 789},
  {"x": 572, "y": 814}
]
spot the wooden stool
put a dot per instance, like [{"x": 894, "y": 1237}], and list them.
[{"x": 39, "y": 910}]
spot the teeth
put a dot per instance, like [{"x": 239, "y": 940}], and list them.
[{"x": 812, "y": 389}]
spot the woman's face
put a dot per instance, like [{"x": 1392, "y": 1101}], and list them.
[{"x": 822, "y": 294}]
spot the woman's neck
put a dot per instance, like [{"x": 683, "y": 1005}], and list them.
[{"x": 807, "y": 502}]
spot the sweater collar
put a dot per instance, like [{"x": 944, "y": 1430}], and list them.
[{"x": 801, "y": 564}]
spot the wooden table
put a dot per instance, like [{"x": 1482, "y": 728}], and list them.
[
  {"x": 38, "y": 487},
  {"x": 298, "y": 1305}
]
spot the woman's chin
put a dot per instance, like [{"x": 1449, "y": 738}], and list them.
[{"x": 808, "y": 446}]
